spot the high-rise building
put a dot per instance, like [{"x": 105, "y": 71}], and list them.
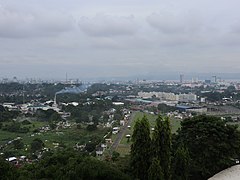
[
  {"x": 214, "y": 79},
  {"x": 181, "y": 78}
]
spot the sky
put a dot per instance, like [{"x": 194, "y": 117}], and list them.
[{"x": 118, "y": 38}]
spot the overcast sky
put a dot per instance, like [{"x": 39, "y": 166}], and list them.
[{"x": 118, "y": 38}]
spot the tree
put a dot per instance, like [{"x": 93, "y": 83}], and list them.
[
  {"x": 115, "y": 155},
  {"x": 155, "y": 171},
  {"x": 36, "y": 145},
  {"x": 165, "y": 108},
  {"x": 2, "y": 109},
  {"x": 212, "y": 144},
  {"x": 55, "y": 117},
  {"x": 117, "y": 116},
  {"x": 140, "y": 148},
  {"x": 8, "y": 171},
  {"x": 161, "y": 144},
  {"x": 181, "y": 164},
  {"x": 18, "y": 144},
  {"x": 95, "y": 119},
  {"x": 91, "y": 127}
]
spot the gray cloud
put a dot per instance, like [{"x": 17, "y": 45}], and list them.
[
  {"x": 95, "y": 38},
  {"x": 170, "y": 23},
  {"x": 106, "y": 25},
  {"x": 19, "y": 24}
]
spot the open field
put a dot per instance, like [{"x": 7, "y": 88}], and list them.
[
  {"x": 68, "y": 136},
  {"x": 124, "y": 146}
]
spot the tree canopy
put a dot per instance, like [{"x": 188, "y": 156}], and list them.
[
  {"x": 212, "y": 144},
  {"x": 140, "y": 148}
]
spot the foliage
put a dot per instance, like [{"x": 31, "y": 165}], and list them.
[
  {"x": 140, "y": 148},
  {"x": 165, "y": 108},
  {"x": 161, "y": 144},
  {"x": 212, "y": 144},
  {"x": 115, "y": 155},
  {"x": 89, "y": 111},
  {"x": 181, "y": 164},
  {"x": 2, "y": 109},
  {"x": 6, "y": 115},
  {"x": 15, "y": 127},
  {"x": 13, "y": 92},
  {"x": 70, "y": 165},
  {"x": 91, "y": 127},
  {"x": 52, "y": 125},
  {"x": 7, "y": 170},
  {"x": 48, "y": 115},
  {"x": 36, "y": 145},
  {"x": 92, "y": 143},
  {"x": 155, "y": 171},
  {"x": 26, "y": 122},
  {"x": 18, "y": 144}
]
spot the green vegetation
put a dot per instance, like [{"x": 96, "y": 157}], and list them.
[
  {"x": 8, "y": 171},
  {"x": 63, "y": 165},
  {"x": 89, "y": 112},
  {"x": 155, "y": 171},
  {"x": 161, "y": 145},
  {"x": 203, "y": 146},
  {"x": 181, "y": 164},
  {"x": 13, "y": 92},
  {"x": 65, "y": 136},
  {"x": 124, "y": 146},
  {"x": 6, "y": 115},
  {"x": 163, "y": 108},
  {"x": 140, "y": 149},
  {"x": 47, "y": 115},
  {"x": 212, "y": 145},
  {"x": 151, "y": 157},
  {"x": 175, "y": 124}
]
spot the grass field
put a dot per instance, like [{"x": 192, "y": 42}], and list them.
[
  {"x": 124, "y": 146},
  {"x": 175, "y": 124},
  {"x": 69, "y": 136}
]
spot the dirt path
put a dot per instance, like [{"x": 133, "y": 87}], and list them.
[{"x": 122, "y": 132}]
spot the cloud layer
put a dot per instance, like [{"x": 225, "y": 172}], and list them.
[{"x": 119, "y": 38}]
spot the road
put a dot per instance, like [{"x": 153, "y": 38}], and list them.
[{"x": 122, "y": 132}]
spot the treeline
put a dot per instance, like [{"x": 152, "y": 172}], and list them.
[
  {"x": 214, "y": 96},
  {"x": 6, "y": 115},
  {"x": 203, "y": 146},
  {"x": 13, "y": 92},
  {"x": 92, "y": 111},
  {"x": 47, "y": 115},
  {"x": 63, "y": 165}
]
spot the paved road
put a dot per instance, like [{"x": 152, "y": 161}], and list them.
[{"x": 122, "y": 132}]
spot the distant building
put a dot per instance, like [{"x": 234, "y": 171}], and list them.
[
  {"x": 118, "y": 103},
  {"x": 187, "y": 97},
  {"x": 181, "y": 78},
  {"x": 163, "y": 96},
  {"x": 207, "y": 81}
]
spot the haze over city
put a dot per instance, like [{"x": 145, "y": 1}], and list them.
[{"x": 127, "y": 38}]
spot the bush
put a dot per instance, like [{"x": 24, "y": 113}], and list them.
[
  {"x": 26, "y": 122},
  {"x": 91, "y": 127}
]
